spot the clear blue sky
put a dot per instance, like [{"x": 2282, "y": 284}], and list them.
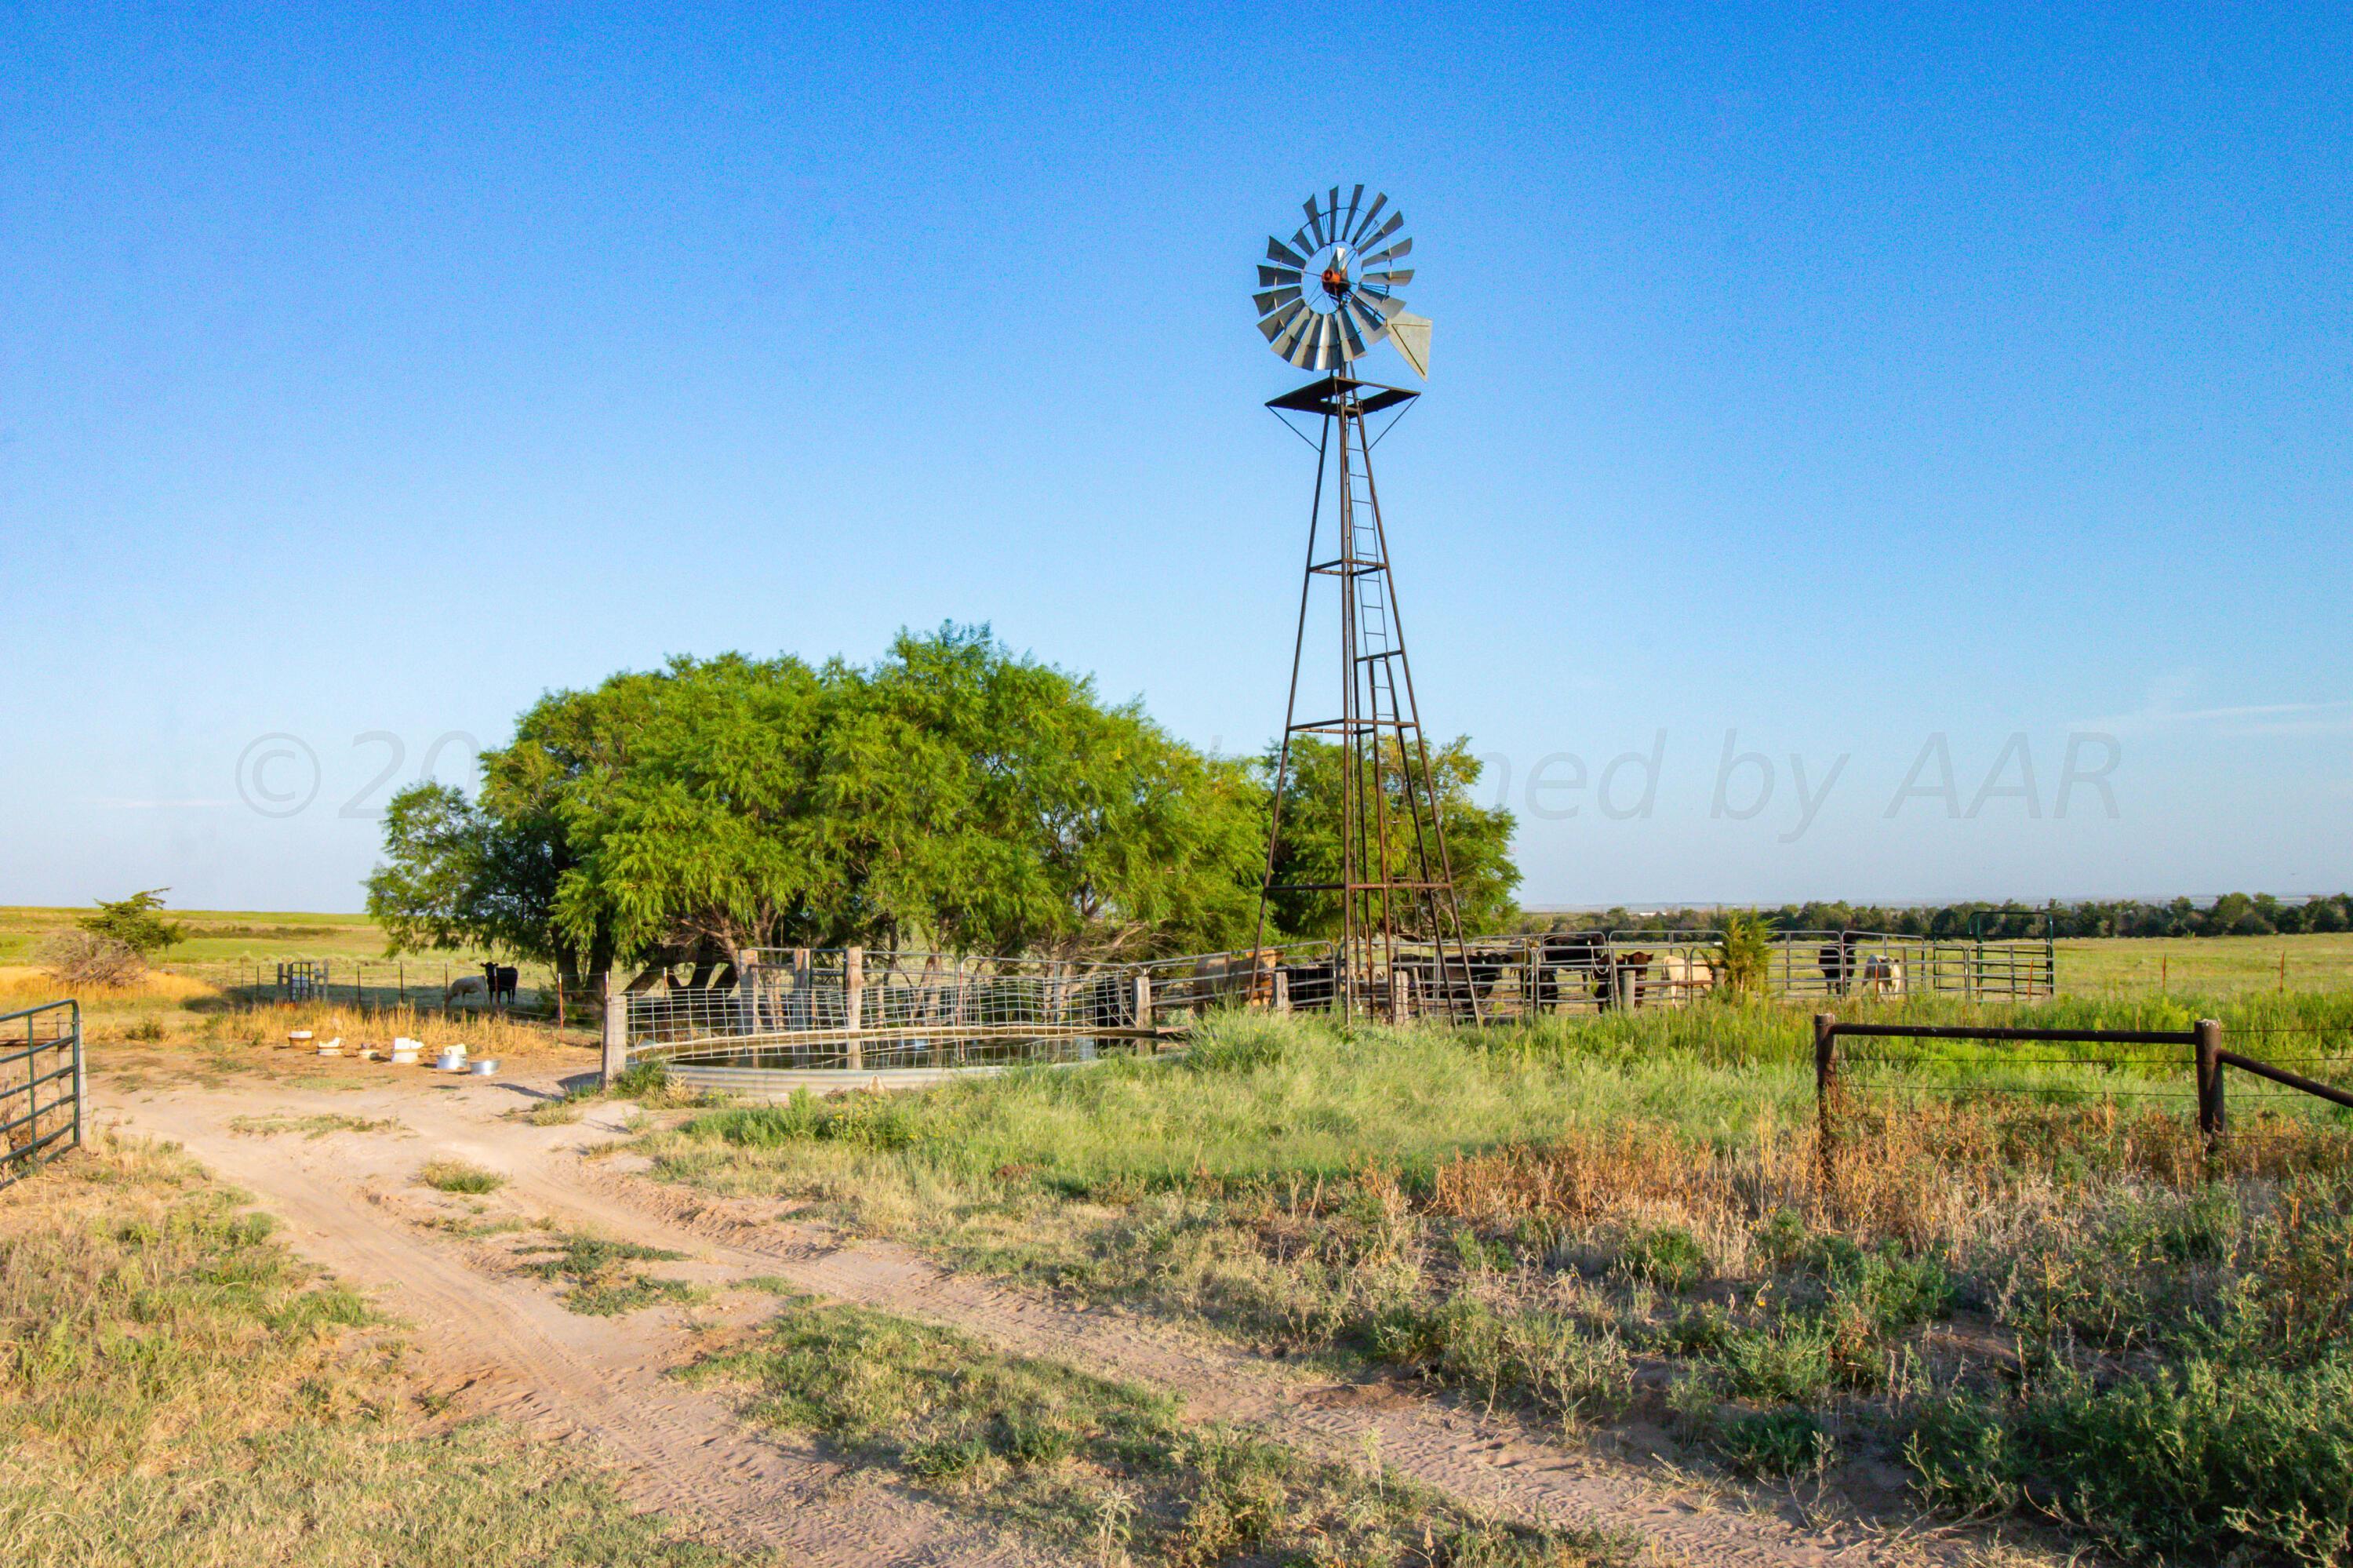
[{"x": 1846, "y": 383}]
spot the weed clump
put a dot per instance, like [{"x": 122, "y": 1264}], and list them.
[{"x": 461, "y": 1176}]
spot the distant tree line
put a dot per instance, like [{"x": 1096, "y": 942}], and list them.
[
  {"x": 2232, "y": 914},
  {"x": 952, "y": 795}
]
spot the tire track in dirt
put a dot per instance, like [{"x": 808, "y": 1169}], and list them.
[
  {"x": 1492, "y": 1462},
  {"x": 505, "y": 1346}
]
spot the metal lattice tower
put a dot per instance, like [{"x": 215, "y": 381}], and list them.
[{"x": 1327, "y": 304}]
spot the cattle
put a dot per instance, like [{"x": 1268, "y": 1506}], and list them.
[
  {"x": 1570, "y": 963},
  {"x": 1839, "y": 965},
  {"x": 1460, "y": 976},
  {"x": 1625, "y": 980},
  {"x": 1682, "y": 977},
  {"x": 499, "y": 981},
  {"x": 466, "y": 990},
  {"x": 1882, "y": 976}
]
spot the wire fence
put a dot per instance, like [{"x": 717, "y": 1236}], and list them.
[
  {"x": 381, "y": 984},
  {"x": 2284, "y": 1090}
]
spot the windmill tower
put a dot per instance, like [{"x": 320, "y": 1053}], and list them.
[{"x": 1327, "y": 297}]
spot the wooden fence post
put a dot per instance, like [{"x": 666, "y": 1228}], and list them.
[
  {"x": 1144, "y": 1006},
  {"x": 853, "y": 1004},
  {"x": 1282, "y": 992},
  {"x": 2210, "y": 1121},
  {"x": 1825, "y": 1091},
  {"x": 617, "y": 1029}
]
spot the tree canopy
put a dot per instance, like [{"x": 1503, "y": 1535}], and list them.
[{"x": 952, "y": 794}]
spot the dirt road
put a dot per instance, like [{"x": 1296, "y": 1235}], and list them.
[{"x": 502, "y": 1342}]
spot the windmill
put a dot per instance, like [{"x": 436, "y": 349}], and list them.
[{"x": 1328, "y": 297}]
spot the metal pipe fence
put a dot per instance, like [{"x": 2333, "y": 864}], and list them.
[
  {"x": 1892, "y": 1067},
  {"x": 41, "y": 1085},
  {"x": 855, "y": 1007}
]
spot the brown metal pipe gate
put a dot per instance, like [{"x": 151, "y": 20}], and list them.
[{"x": 2207, "y": 1059}]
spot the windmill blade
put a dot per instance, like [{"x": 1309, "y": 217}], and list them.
[
  {"x": 1300, "y": 349},
  {"x": 1292, "y": 329},
  {"x": 1276, "y": 277},
  {"x": 1396, "y": 222},
  {"x": 1397, "y": 252},
  {"x": 1276, "y": 251},
  {"x": 1341, "y": 227},
  {"x": 1351, "y": 344},
  {"x": 1371, "y": 213},
  {"x": 1411, "y": 336},
  {"x": 1396, "y": 278},
  {"x": 1314, "y": 221},
  {"x": 1371, "y": 326},
  {"x": 1327, "y": 333},
  {"x": 1274, "y": 299}
]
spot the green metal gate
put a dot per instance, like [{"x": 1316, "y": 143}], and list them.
[{"x": 40, "y": 1085}]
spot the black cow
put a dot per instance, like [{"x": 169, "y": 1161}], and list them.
[
  {"x": 1570, "y": 963},
  {"x": 500, "y": 981},
  {"x": 1839, "y": 964}
]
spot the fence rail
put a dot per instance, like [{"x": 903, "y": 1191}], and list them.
[
  {"x": 808, "y": 1009},
  {"x": 41, "y": 1083},
  {"x": 2199, "y": 1049}
]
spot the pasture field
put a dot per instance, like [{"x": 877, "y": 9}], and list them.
[
  {"x": 180, "y": 1388},
  {"x": 214, "y": 934},
  {"x": 2039, "y": 1307},
  {"x": 2207, "y": 965}
]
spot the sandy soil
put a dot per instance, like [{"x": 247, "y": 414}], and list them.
[{"x": 496, "y": 1340}]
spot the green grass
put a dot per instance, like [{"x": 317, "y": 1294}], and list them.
[
  {"x": 446, "y": 1175},
  {"x": 313, "y": 1127},
  {"x": 601, "y": 1287},
  {"x": 176, "y": 1387},
  {"x": 2211, "y": 965},
  {"x": 1531, "y": 1218},
  {"x": 1112, "y": 1470}
]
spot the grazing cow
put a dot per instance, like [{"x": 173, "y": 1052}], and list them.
[
  {"x": 1625, "y": 982},
  {"x": 1840, "y": 966},
  {"x": 500, "y": 979},
  {"x": 1682, "y": 977},
  {"x": 1882, "y": 976},
  {"x": 466, "y": 990},
  {"x": 1570, "y": 963}
]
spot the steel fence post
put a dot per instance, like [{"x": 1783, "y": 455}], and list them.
[{"x": 1825, "y": 1090}]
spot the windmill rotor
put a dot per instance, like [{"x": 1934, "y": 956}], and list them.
[{"x": 1327, "y": 296}]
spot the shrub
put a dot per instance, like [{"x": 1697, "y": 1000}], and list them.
[
  {"x": 79, "y": 959},
  {"x": 134, "y": 923},
  {"x": 458, "y": 1176},
  {"x": 1666, "y": 1255},
  {"x": 2200, "y": 1461},
  {"x": 1765, "y": 1443}
]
